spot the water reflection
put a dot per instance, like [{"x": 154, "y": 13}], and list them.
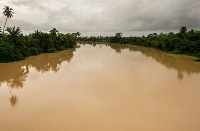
[
  {"x": 137, "y": 88},
  {"x": 14, "y": 74},
  {"x": 182, "y": 64},
  {"x": 18, "y": 79},
  {"x": 13, "y": 100},
  {"x": 51, "y": 62}
]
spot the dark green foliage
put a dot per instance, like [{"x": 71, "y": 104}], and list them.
[
  {"x": 77, "y": 34},
  {"x": 124, "y": 40},
  {"x": 14, "y": 46},
  {"x": 116, "y": 38},
  {"x": 183, "y": 30},
  {"x": 14, "y": 36},
  {"x": 33, "y": 51},
  {"x": 9, "y": 53},
  {"x": 183, "y": 42}
]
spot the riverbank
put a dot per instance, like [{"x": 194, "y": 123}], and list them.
[
  {"x": 184, "y": 42},
  {"x": 14, "y": 47},
  {"x": 101, "y": 84}
]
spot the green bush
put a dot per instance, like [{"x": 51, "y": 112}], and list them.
[
  {"x": 33, "y": 51},
  {"x": 8, "y": 53}
]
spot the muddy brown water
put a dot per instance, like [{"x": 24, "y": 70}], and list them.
[{"x": 101, "y": 87}]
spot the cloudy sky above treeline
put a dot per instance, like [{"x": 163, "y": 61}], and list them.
[{"x": 103, "y": 15}]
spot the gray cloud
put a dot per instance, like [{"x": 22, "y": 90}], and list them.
[
  {"x": 154, "y": 14},
  {"x": 20, "y": 23},
  {"x": 105, "y": 15},
  {"x": 28, "y": 3}
]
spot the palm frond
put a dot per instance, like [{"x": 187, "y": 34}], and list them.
[
  {"x": 8, "y": 12},
  {"x": 13, "y": 31}
]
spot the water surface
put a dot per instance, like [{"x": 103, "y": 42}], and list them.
[{"x": 100, "y": 87}]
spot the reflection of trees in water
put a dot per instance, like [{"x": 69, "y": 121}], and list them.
[
  {"x": 179, "y": 63},
  {"x": 18, "y": 79},
  {"x": 52, "y": 61},
  {"x": 180, "y": 75},
  {"x": 15, "y": 73},
  {"x": 117, "y": 47},
  {"x": 13, "y": 100},
  {"x": 90, "y": 43},
  {"x": 46, "y": 63}
]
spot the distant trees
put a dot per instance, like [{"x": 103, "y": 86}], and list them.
[
  {"x": 116, "y": 38},
  {"x": 77, "y": 34},
  {"x": 53, "y": 32},
  {"x": 183, "y": 42},
  {"x": 14, "y": 46},
  {"x": 183, "y": 29},
  {"x": 8, "y": 12}
]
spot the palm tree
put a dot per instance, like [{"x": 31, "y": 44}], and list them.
[
  {"x": 119, "y": 35},
  {"x": 8, "y": 12},
  {"x": 183, "y": 30},
  {"x": 36, "y": 34},
  {"x": 77, "y": 34},
  {"x": 53, "y": 32},
  {"x": 14, "y": 34}
]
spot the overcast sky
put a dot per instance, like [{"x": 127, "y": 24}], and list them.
[{"x": 103, "y": 16}]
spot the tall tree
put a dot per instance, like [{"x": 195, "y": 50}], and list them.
[
  {"x": 77, "y": 34},
  {"x": 14, "y": 34},
  {"x": 183, "y": 29},
  {"x": 54, "y": 32},
  {"x": 8, "y": 12},
  {"x": 118, "y": 35}
]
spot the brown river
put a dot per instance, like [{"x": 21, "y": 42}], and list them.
[{"x": 101, "y": 87}]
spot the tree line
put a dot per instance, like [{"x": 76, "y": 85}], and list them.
[
  {"x": 14, "y": 45},
  {"x": 183, "y": 42}
]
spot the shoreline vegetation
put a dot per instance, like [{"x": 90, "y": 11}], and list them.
[
  {"x": 184, "y": 42},
  {"x": 15, "y": 46}
]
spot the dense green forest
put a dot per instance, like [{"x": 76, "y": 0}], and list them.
[
  {"x": 14, "y": 45},
  {"x": 183, "y": 42}
]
